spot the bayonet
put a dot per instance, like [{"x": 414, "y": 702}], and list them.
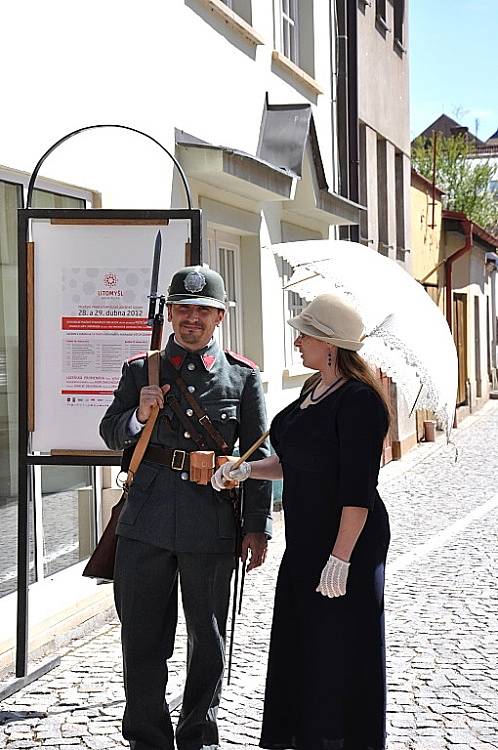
[{"x": 154, "y": 278}]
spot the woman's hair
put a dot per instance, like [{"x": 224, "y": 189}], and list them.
[{"x": 352, "y": 366}]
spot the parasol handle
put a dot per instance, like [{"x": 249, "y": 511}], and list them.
[{"x": 251, "y": 450}]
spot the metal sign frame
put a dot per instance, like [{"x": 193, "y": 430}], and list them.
[{"x": 26, "y": 459}]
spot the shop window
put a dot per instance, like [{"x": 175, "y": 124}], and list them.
[{"x": 41, "y": 539}]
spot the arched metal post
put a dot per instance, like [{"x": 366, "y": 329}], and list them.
[
  {"x": 66, "y": 137},
  {"x": 24, "y": 466}
]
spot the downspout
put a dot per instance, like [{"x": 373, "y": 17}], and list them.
[
  {"x": 467, "y": 230},
  {"x": 353, "y": 122}
]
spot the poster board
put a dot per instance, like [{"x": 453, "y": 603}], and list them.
[{"x": 90, "y": 286}]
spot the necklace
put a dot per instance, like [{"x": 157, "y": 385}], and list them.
[{"x": 314, "y": 399}]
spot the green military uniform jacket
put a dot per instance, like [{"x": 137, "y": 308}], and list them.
[{"x": 163, "y": 507}]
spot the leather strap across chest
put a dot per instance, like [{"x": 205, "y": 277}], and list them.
[
  {"x": 202, "y": 418},
  {"x": 201, "y": 415}
]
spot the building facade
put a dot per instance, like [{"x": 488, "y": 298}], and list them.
[
  {"x": 455, "y": 259},
  {"x": 250, "y": 96},
  {"x": 383, "y": 153}
]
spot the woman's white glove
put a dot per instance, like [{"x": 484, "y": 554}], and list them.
[
  {"x": 226, "y": 473},
  {"x": 334, "y": 578}
]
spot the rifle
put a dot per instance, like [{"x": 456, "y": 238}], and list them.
[
  {"x": 156, "y": 319},
  {"x": 101, "y": 562}
]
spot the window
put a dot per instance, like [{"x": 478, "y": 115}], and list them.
[
  {"x": 48, "y": 546},
  {"x": 380, "y": 9},
  {"x": 293, "y": 304},
  {"x": 224, "y": 257},
  {"x": 399, "y": 17},
  {"x": 380, "y": 17},
  {"x": 399, "y": 197},
  {"x": 294, "y": 32},
  {"x": 241, "y": 7},
  {"x": 382, "y": 202},
  {"x": 290, "y": 30},
  {"x": 10, "y": 201},
  {"x": 363, "y": 183}
]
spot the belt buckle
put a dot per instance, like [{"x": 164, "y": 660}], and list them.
[{"x": 174, "y": 465}]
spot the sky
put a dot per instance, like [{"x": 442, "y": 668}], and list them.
[{"x": 454, "y": 63}]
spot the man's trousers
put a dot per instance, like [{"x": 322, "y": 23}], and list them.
[{"x": 146, "y": 596}]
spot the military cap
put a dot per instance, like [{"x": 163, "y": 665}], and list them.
[{"x": 197, "y": 285}]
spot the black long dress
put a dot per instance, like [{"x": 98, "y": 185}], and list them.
[{"x": 326, "y": 687}]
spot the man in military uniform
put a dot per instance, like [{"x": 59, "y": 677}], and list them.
[{"x": 171, "y": 527}]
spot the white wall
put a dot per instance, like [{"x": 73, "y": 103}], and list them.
[{"x": 155, "y": 67}]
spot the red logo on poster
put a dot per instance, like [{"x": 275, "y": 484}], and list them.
[{"x": 110, "y": 279}]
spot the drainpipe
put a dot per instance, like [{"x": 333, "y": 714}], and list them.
[
  {"x": 467, "y": 229},
  {"x": 353, "y": 122}
]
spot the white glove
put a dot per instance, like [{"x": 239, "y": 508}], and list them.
[
  {"x": 334, "y": 578},
  {"x": 226, "y": 473}
]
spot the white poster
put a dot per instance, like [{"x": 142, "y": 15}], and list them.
[
  {"x": 91, "y": 306},
  {"x": 103, "y": 322}
]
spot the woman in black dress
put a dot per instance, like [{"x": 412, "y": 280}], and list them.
[{"x": 326, "y": 687}]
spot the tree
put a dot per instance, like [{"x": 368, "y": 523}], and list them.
[{"x": 464, "y": 180}]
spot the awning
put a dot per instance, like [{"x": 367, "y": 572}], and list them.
[
  {"x": 234, "y": 170},
  {"x": 288, "y": 138},
  {"x": 287, "y": 167}
]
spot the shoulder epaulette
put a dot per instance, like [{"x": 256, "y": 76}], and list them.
[
  {"x": 240, "y": 359},
  {"x": 140, "y": 355}
]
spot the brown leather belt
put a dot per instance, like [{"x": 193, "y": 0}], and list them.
[{"x": 172, "y": 457}]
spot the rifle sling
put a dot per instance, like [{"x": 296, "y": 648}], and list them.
[{"x": 143, "y": 441}]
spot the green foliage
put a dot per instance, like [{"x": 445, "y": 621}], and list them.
[{"x": 464, "y": 180}]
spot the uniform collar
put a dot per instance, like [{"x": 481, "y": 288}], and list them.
[{"x": 176, "y": 354}]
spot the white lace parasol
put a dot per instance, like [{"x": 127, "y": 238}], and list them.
[{"x": 407, "y": 336}]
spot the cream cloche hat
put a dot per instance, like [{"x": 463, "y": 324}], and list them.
[{"x": 329, "y": 318}]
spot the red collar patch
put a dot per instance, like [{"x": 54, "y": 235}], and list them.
[
  {"x": 208, "y": 360},
  {"x": 177, "y": 361}
]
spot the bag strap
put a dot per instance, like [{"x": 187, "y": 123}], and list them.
[
  {"x": 188, "y": 425},
  {"x": 202, "y": 417},
  {"x": 143, "y": 441},
  {"x": 185, "y": 420}
]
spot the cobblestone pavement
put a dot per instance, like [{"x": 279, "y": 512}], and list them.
[{"x": 442, "y": 623}]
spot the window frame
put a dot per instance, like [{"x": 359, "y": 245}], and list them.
[
  {"x": 292, "y": 358},
  {"x": 218, "y": 241},
  {"x": 381, "y": 17},
  {"x": 399, "y": 11},
  {"x": 289, "y": 22},
  {"x": 38, "y": 559}
]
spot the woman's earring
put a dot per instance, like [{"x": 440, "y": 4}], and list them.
[{"x": 329, "y": 359}]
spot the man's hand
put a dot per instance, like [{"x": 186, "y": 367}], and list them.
[
  {"x": 150, "y": 396},
  {"x": 257, "y": 543}
]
